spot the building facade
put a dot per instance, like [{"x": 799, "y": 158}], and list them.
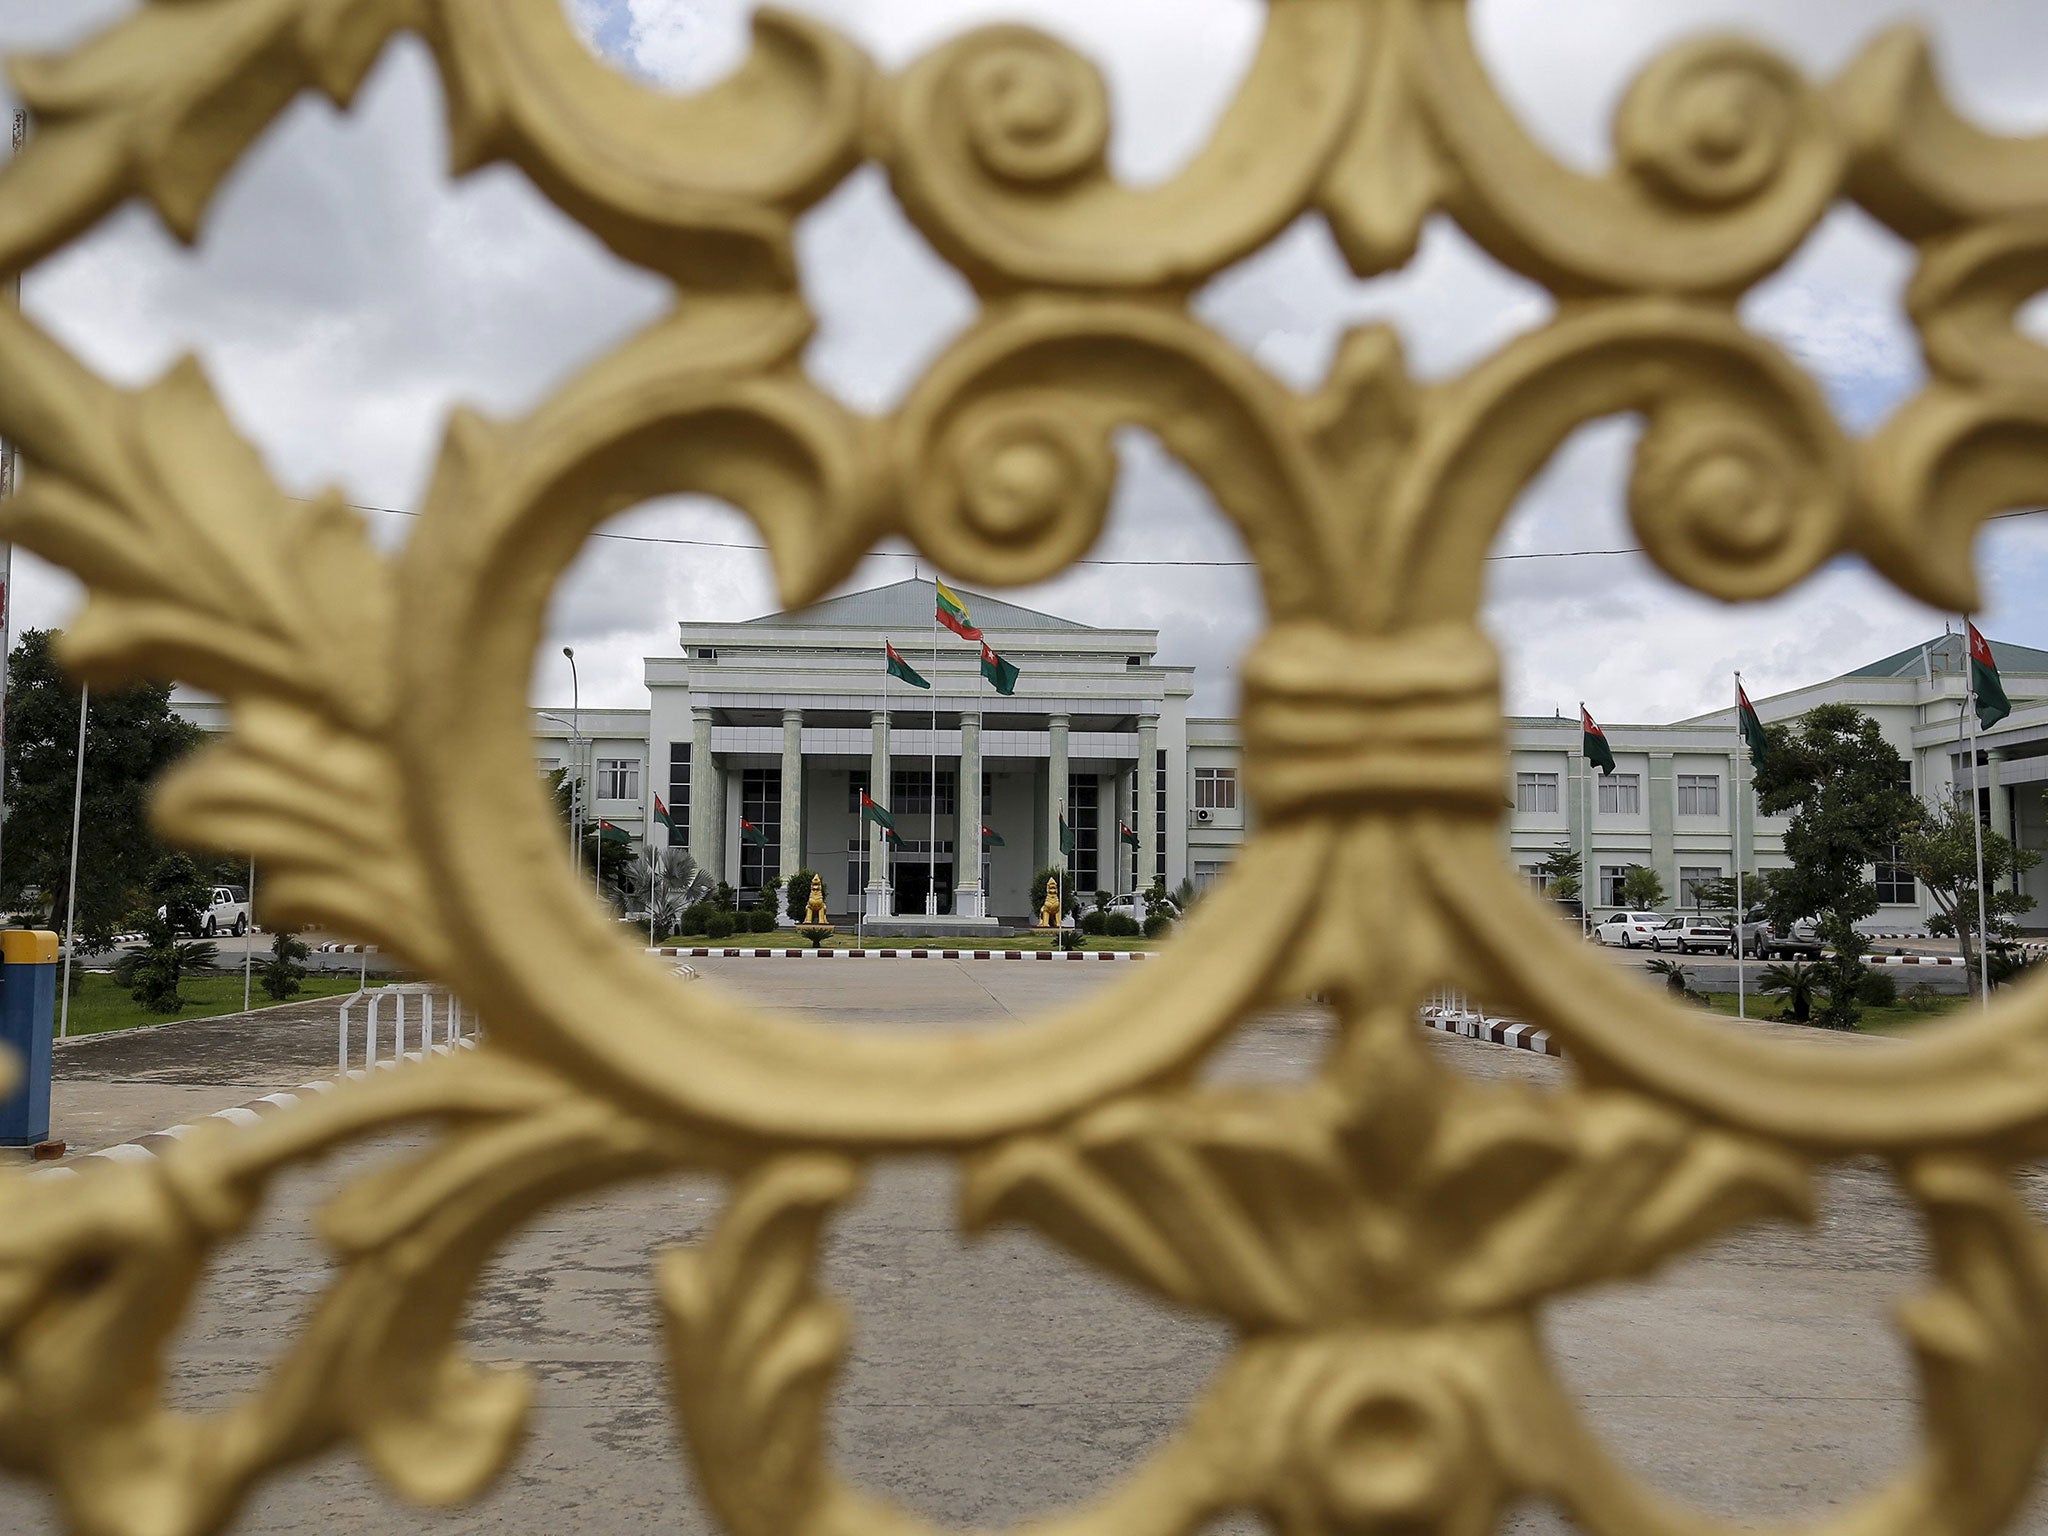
[{"x": 760, "y": 736}]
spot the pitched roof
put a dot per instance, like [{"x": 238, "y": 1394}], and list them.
[
  {"x": 1947, "y": 653},
  {"x": 908, "y": 606}
]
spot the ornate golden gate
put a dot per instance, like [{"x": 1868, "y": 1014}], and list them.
[{"x": 1358, "y": 1231}]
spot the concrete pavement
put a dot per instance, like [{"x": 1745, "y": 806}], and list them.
[{"x": 990, "y": 1382}]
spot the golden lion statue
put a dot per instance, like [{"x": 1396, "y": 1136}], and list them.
[
  {"x": 814, "y": 909},
  {"x": 1049, "y": 914}
]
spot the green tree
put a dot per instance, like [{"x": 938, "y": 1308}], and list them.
[
  {"x": 1641, "y": 888},
  {"x": 131, "y": 737},
  {"x": 1035, "y": 896},
  {"x": 1941, "y": 850},
  {"x": 179, "y": 889},
  {"x": 1565, "y": 871},
  {"x": 282, "y": 972},
  {"x": 1797, "y": 983},
  {"x": 1842, "y": 784}
]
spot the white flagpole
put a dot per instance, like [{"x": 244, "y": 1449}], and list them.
[
  {"x": 1976, "y": 822},
  {"x": 71, "y": 899},
  {"x": 931, "y": 863},
  {"x": 1735, "y": 844},
  {"x": 249, "y": 935}
]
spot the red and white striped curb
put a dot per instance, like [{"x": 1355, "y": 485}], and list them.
[
  {"x": 905, "y": 954},
  {"x": 146, "y": 1149},
  {"x": 1912, "y": 960},
  {"x": 344, "y": 949},
  {"x": 1523, "y": 1037}
]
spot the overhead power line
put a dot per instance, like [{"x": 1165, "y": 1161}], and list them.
[{"x": 888, "y": 554}]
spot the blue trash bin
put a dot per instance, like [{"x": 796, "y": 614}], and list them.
[{"x": 28, "y": 1005}]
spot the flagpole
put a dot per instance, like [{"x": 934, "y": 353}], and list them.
[
  {"x": 931, "y": 862},
  {"x": 249, "y": 936},
  {"x": 1735, "y": 843},
  {"x": 1976, "y": 822},
  {"x": 71, "y": 898}
]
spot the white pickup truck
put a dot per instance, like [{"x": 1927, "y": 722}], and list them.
[{"x": 227, "y": 911}]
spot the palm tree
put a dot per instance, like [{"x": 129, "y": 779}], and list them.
[
  {"x": 1798, "y": 981},
  {"x": 1673, "y": 974}
]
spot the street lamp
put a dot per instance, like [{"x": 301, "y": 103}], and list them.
[{"x": 576, "y": 764}]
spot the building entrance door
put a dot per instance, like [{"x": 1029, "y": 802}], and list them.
[{"x": 914, "y": 879}]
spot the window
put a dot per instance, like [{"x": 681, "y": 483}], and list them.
[
  {"x": 1536, "y": 793},
  {"x": 618, "y": 778},
  {"x": 1159, "y": 817},
  {"x": 1538, "y": 876},
  {"x": 1621, "y": 794},
  {"x": 1208, "y": 871},
  {"x": 1699, "y": 794},
  {"x": 1083, "y": 815},
  {"x": 1611, "y": 877},
  {"x": 760, "y": 803},
  {"x": 1690, "y": 879},
  {"x": 1895, "y": 887},
  {"x": 910, "y": 792},
  {"x": 856, "y": 869},
  {"x": 1215, "y": 789},
  {"x": 679, "y": 792},
  {"x": 856, "y": 786}
]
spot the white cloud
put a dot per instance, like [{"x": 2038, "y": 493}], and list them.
[{"x": 346, "y": 295}]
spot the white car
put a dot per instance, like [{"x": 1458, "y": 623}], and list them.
[
  {"x": 227, "y": 911},
  {"x": 1687, "y": 934},
  {"x": 1628, "y": 929}
]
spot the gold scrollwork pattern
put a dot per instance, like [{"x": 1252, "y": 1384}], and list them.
[{"x": 1381, "y": 1237}]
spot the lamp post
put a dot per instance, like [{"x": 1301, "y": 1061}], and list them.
[{"x": 575, "y": 764}]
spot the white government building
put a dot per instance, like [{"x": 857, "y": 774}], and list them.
[{"x": 783, "y": 720}]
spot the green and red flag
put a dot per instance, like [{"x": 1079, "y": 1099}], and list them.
[
  {"x": 1001, "y": 674},
  {"x": 749, "y": 833},
  {"x": 1066, "y": 835},
  {"x": 662, "y": 816},
  {"x": 1986, "y": 689},
  {"x": 897, "y": 667},
  {"x": 1126, "y": 836},
  {"x": 608, "y": 833},
  {"x": 953, "y": 613},
  {"x": 1752, "y": 727},
  {"x": 992, "y": 839},
  {"x": 878, "y": 814},
  {"x": 1595, "y": 742},
  {"x": 889, "y": 836}
]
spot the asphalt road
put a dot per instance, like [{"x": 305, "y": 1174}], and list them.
[{"x": 990, "y": 1382}]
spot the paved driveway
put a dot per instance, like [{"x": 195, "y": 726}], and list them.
[{"x": 993, "y": 1381}]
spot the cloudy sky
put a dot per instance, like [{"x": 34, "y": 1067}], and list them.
[{"x": 346, "y": 294}]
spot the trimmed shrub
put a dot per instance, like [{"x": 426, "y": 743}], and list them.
[
  {"x": 1875, "y": 988},
  {"x": 1158, "y": 925},
  {"x": 695, "y": 918},
  {"x": 1096, "y": 922},
  {"x": 762, "y": 920},
  {"x": 719, "y": 925},
  {"x": 1121, "y": 925}
]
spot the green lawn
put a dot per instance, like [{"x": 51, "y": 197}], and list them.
[
  {"x": 1891, "y": 1019},
  {"x": 103, "y": 1004},
  {"x": 845, "y": 938}
]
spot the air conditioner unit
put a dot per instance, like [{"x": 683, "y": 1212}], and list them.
[{"x": 1203, "y": 818}]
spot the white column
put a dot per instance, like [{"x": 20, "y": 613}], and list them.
[
  {"x": 792, "y": 803},
  {"x": 879, "y": 894},
  {"x": 1147, "y": 808},
  {"x": 704, "y": 811},
  {"x": 2001, "y": 799},
  {"x": 969, "y": 899},
  {"x": 1056, "y": 791},
  {"x": 1122, "y": 871}
]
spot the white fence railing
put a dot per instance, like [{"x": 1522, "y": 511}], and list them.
[{"x": 416, "y": 1001}]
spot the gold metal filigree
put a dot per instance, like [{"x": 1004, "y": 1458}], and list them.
[{"x": 1381, "y": 1237}]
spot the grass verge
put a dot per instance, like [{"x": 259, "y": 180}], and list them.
[
  {"x": 103, "y": 1004},
  {"x": 1891, "y": 1019}
]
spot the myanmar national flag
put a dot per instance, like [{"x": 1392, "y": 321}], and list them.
[
  {"x": 899, "y": 668},
  {"x": 992, "y": 839},
  {"x": 749, "y": 833},
  {"x": 662, "y": 816},
  {"x": 953, "y": 613},
  {"x": 1985, "y": 687},
  {"x": 878, "y": 814},
  {"x": 1126, "y": 836},
  {"x": 1066, "y": 836},
  {"x": 608, "y": 833},
  {"x": 1753, "y": 735},
  {"x": 1596, "y": 748},
  {"x": 1001, "y": 674}
]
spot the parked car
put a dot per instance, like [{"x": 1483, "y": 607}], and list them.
[
  {"x": 1690, "y": 934},
  {"x": 1628, "y": 929},
  {"x": 227, "y": 911},
  {"x": 1766, "y": 940}
]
